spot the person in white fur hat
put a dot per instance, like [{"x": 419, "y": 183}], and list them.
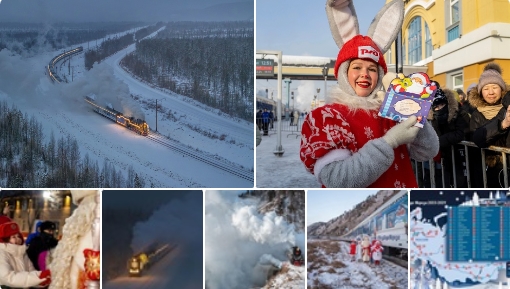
[
  {"x": 344, "y": 143},
  {"x": 68, "y": 259}
]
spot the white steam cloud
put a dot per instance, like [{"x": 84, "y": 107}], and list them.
[
  {"x": 25, "y": 80},
  {"x": 101, "y": 81},
  {"x": 241, "y": 245},
  {"x": 173, "y": 223}
]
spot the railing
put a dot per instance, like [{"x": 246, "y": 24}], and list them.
[
  {"x": 291, "y": 124},
  {"x": 468, "y": 166},
  {"x": 293, "y": 128}
]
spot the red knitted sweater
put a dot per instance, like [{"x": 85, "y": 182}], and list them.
[{"x": 335, "y": 126}]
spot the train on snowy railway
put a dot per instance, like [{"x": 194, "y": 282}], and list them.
[
  {"x": 52, "y": 71},
  {"x": 388, "y": 224},
  {"x": 135, "y": 124},
  {"x": 146, "y": 258}
]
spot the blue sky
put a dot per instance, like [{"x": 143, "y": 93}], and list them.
[
  {"x": 300, "y": 27},
  {"x": 325, "y": 205}
]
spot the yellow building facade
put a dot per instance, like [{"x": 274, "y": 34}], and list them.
[{"x": 454, "y": 39}]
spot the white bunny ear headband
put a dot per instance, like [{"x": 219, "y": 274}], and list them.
[{"x": 383, "y": 30}]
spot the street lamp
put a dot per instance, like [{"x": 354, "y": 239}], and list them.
[
  {"x": 325, "y": 71},
  {"x": 318, "y": 98},
  {"x": 156, "y": 114},
  {"x": 288, "y": 81},
  {"x": 292, "y": 100}
]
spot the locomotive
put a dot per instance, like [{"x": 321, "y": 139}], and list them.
[
  {"x": 137, "y": 125},
  {"x": 144, "y": 260}
]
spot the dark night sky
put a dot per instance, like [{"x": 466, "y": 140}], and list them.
[
  {"x": 99, "y": 10},
  {"x": 151, "y": 199}
]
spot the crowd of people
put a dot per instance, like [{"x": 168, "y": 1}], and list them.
[
  {"x": 41, "y": 260},
  {"x": 364, "y": 250}
]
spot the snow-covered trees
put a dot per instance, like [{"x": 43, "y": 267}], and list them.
[
  {"x": 26, "y": 161},
  {"x": 209, "y": 62}
]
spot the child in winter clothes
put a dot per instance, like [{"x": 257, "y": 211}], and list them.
[
  {"x": 345, "y": 143},
  {"x": 16, "y": 270}
]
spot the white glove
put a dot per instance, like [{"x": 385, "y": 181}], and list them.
[{"x": 403, "y": 133}]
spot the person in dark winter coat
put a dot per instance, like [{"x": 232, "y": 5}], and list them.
[
  {"x": 490, "y": 123},
  {"x": 451, "y": 125},
  {"x": 39, "y": 249},
  {"x": 31, "y": 236},
  {"x": 297, "y": 257},
  {"x": 265, "y": 121},
  {"x": 464, "y": 103}
]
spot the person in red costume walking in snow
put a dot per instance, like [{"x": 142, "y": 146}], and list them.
[
  {"x": 377, "y": 250},
  {"x": 344, "y": 143},
  {"x": 352, "y": 251}
]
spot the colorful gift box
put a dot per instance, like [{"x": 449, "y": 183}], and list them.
[{"x": 407, "y": 96}]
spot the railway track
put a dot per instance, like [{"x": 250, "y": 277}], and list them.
[
  {"x": 239, "y": 172},
  {"x": 232, "y": 169}
]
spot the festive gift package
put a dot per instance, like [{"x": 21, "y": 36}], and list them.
[{"x": 407, "y": 96}]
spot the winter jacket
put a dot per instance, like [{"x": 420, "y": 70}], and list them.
[
  {"x": 487, "y": 132},
  {"x": 454, "y": 130},
  {"x": 351, "y": 131},
  {"x": 16, "y": 270},
  {"x": 42, "y": 243}
]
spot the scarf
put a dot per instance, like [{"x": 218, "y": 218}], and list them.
[{"x": 490, "y": 111}]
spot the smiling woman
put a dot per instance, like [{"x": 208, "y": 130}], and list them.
[{"x": 344, "y": 143}]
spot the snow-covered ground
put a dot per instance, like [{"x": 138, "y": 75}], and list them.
[
  {"x": 330, "y": 266},
  {"x": 243, "y": 247},
  {"x": 286, "y": 171},
  {"x": 61, "y": 110}
]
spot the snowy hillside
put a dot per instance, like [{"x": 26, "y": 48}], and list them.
[
  {"x": 249, "y": 236},
  {"x": 343, "y": 223}
]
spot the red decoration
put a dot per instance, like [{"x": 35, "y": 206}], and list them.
[{"x": 92, "y": 264}]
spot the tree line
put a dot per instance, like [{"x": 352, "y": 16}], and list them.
[
  {"x": 112, "y": 45},
  {"x": 26, "y": 161},
  {"x": 209, "y": 62},
  {"x": 26, "y": 37}
]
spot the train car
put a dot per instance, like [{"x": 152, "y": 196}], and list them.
[
  {"x": 142, "y": 261},
  {"x": 137, "y": 125},
  {"x": 388, "y": 224},
  {"x": 266, "y": 103},
  {"x": 51, "y": 66}
]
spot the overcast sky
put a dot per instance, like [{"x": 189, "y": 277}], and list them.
[{"x": 98, "y": 10}]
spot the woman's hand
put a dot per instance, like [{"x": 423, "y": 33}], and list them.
[{"x": 506, "y": 122}]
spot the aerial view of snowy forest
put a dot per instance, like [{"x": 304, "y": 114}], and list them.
[{"x": 184, "y": 91}]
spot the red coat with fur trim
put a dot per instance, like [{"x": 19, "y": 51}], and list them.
[{"x": 336, "y": 126}]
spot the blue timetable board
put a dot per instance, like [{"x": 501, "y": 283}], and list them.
[{"x": 478, "y": 234}]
